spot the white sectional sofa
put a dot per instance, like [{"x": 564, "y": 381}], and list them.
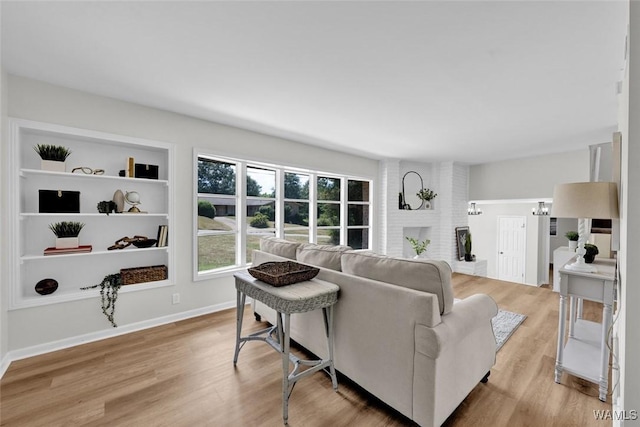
[{"x": 398, "y": 333}]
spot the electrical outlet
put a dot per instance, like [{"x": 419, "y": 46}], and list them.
[{"x": 176, "y": 298}]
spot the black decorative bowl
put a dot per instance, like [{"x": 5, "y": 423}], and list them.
[
  {"x": 144, "y": 243},
  {"x": 46, "y": 286}
]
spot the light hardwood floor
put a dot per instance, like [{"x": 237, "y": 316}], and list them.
[{"x": 182, "y": 374}]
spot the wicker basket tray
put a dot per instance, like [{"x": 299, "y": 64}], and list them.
[
  {"x": 283, "y": 273},
  {"x": 152, "y": 273}
]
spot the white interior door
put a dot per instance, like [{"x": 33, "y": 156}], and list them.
[{"x": 511, "y": 248}]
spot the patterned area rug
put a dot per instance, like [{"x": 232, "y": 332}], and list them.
[{"x": 504, "y": 325}]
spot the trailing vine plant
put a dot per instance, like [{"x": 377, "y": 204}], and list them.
[{"x": 109, "y": 294}]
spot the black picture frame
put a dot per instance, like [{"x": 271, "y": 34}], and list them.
[{"x": 461, "y": 237}]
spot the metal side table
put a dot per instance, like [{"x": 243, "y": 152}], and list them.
[{"x": 286, "y": 300}]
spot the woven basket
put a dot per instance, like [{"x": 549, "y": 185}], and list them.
[
  {"x": 283, "y": 273},
  {"x": 152, "y": 273}
]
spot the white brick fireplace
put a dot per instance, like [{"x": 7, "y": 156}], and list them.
[{"x": 449, "y": 211}]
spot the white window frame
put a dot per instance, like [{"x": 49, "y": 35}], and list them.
[{"x": 241, "y": 207}]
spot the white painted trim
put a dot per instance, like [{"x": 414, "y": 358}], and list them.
[
  {"x": 4, "y": 365},
  {"x": 109, "y": 333},
  {"x": 511, "y": 201}
]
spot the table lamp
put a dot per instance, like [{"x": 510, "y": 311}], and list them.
[{"x": 584, "y": 200}]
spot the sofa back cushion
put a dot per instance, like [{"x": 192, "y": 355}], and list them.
[
  {"x": 280, "y": 247},
  {"x": 422, "y": 275},
  {"x": 327, "y": 256}
]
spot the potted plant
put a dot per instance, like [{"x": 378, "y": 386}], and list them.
[
  {"x": 573, "y": 239},
  {"x": 591, "y": 252},
  {"x": 106, "y": 206},
  {"x": 467, "y": 248},
  {"x": 426, "y": 196},
  {"x": 109, "y": 294},
  {"x": 52, "y": 157},
  {"x": 418, "y": 246},
  {"x": 66, "y": 233}
]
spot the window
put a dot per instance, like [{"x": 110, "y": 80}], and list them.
[
  {"x": 296, "y": 207},
  {"x": 239, "y": 201},
  {"x": 261, "y": 209},
  {"x": 358, "y": 214},
  {"x": 217, "y": 231},
  {"x": 328, "y": 210}
]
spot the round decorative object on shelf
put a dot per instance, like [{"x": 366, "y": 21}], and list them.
[
  {"x": 46, "y": 286},
  {"x": 132, "y": 198}
]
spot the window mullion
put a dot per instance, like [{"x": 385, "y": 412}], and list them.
[
  {"x": 313, "y": 207},
  {"x": 241, "y": 213},
  {"x": 279, "y": 204},
  {"x": 344, "y": 210}
]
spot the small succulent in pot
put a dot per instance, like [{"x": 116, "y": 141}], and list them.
[
  {"x": 106, "y": 206},
  {"x": 66, "y": 228},
  {"x": 56, "y": 153},
  {"x": 591, "y": 252}
]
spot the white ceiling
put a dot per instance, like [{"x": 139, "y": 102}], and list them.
[{"x": 467, "y": 81}]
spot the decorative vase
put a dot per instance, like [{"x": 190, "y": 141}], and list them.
[
  {"x": 589, "y": 258},
  {"x": 67, "y": 242},
  {"x": 426, "y": 204},
  {"x": 53, "y": 166},
  {"x": 468, "y": 257},
  {"x": 118, "y": 199},
  {"x": 573, "y": 245}
]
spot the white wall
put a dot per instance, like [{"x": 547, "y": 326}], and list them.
[
  {"x": 39, "y": 101},
  {"x": 484, "y": 229},
  {"x": 563, "y": 225},
  {"x": 629, "y": 316},
  {"x": 532, "y": 179},
  {"x": 529, "y": 178},
  {"x": 4, "y": 195}
]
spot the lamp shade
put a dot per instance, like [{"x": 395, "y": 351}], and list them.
[{"x": 585, "y": 200}]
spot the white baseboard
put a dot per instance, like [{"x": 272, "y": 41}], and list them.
[
  {"x": 107, "y": 333},
  {"x": 4, "y": 364}
]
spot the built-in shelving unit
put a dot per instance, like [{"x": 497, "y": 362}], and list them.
[{"x": 30, "y": 233}]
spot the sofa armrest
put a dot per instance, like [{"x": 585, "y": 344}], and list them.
[{"x": 468, "y": 315}]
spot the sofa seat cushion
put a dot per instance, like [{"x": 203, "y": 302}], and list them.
[
  {"x": 327, "y": 256},
  {"x": 422, "y": 275},
  {"x": 280, "y": 247}
]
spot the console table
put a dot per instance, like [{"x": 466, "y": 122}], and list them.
[
  {"x": 586, "y": 351},
  {"x": 561, "y": 256},
  {"x": 286, "y": 300}
]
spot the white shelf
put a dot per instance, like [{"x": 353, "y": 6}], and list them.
[
  {"x": 52, "y": 174},
  {"x": 582, "y": 360},
  {"x": 97, "y": 214},
  {"x": 65, "y": 295},
  {"x": 30, "y": 233},
  {"x": 128, "y": 250}
]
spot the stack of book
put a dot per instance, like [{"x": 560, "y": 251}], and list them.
[
  {"x": 60, "y": 251},
  {"x": 163, "y": 236}
]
